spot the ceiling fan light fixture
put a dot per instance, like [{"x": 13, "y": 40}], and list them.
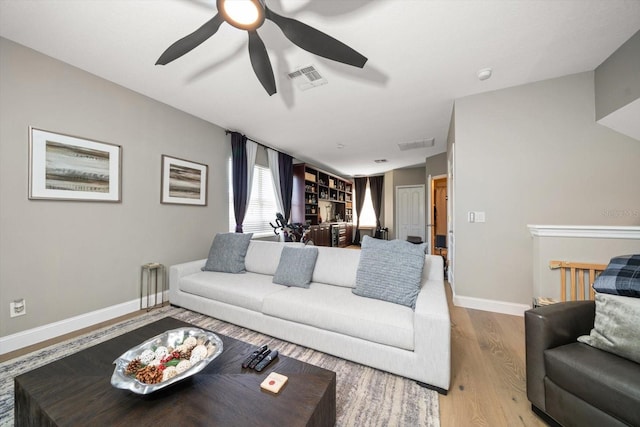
[
  {"x": 242, "y": 14},
  {"x": 249, "y": 15}
]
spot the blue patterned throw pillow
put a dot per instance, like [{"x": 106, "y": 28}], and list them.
[
  {"x": 227, "y": 252},
  {"x": 621, "y": 277},
  {"x": 296, "y": 266},
  {"x": 390, "y": 270}
]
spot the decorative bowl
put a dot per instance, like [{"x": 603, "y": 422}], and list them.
[{"x": 170, "y": 339}]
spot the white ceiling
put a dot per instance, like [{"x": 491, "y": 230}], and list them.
[{"x": 423, "y": 54}]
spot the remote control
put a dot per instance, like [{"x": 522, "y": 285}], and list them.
[
  {"x": 265, "y": 362},
  {"x": 259, "y": 358},
  {"x": 252, "y": 356}
]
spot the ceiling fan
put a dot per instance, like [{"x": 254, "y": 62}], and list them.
[{"x": 249, "y": 15}]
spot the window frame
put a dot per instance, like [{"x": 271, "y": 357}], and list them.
[
  {"x": 259, "y": 173},
  {"x": 367, "y": 214}
]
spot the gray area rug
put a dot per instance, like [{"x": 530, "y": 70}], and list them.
[{"x": 365, "y": 396}]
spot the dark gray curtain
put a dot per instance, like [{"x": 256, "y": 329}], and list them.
[
  {"x": 360, "y": 185},
  {"x": 376, "y": 185},
  {"x": 285, "y": 168},
  {"x": 239, "y": 177}
]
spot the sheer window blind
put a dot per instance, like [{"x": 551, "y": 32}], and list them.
[
  {"x": 262, "y": 205},
  {"x": 367, "y": 216}
]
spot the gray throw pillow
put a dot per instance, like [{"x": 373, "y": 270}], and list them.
[
  {"x": 227, "y": 252},
  {"x": 621, "y": 277},
  {"x": 296, "y": 266},
  {"x": 390, "y": 270},
  {"x": 616, "y": 326}
]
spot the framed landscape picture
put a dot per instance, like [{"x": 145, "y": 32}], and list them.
[
  {"x": 183, "y": 182},
  {"x": 64, "y": 167}
]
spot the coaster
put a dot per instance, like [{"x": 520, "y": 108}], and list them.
[{"x": 274, "y": 382}]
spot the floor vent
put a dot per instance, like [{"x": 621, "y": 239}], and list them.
[{"x": 306, "y": 78}]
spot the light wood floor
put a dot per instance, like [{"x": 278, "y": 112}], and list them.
[
  {"x": 488, "y": 370},
  {"x": 488, "y": 382}
]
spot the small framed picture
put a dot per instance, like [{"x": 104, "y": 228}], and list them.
[
  {"x": 183, "y": 182},
  {"x": 64, "y": 167}
]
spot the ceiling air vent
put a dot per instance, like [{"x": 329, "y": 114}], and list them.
[
  {"x": 307, "y": 77},
  {"x": 404, "y": 146}
]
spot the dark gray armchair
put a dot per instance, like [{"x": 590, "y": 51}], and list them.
[{"x": 572, "y": 383}]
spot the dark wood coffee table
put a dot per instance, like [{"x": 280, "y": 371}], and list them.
[{"x": 77, "y": 390}]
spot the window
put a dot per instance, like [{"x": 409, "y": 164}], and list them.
[
  {"x": 262, "y": 206},
  {"x": 367, "y": 216}
]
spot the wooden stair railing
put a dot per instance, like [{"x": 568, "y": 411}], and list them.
[{"x": 577, "y": 272}]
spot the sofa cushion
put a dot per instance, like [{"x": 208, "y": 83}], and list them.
[
  {"x": 296, "y": 266},
  {"x": 337, "y": 309},
  {"x": 390, "y": 271},
  {"x": 227, "y": 252},
  {"x": 263, "y": 256},
  {"x": 616, "y": 328},
  {"x": 606, "y": 381},
  {"x": 336, "y": 266},
  {"x": 243, "y": 290},
  {"x": 621, "y": 277}
]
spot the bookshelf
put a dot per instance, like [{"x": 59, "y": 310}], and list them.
[{"x": 313, "y": 188}]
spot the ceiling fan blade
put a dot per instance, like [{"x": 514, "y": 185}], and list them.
[
  {"x": 315, "y": 41},
  {"x": 261, "y": 63},
  {"x": 187, "y": 43}
]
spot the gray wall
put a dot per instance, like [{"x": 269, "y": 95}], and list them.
[
  {"x": 392, "y": 179},
  {"x": 533, "y": 154},
  {"x": 409, "y": 176},
  {"x": 617, "y": 80},
  {"x": 388, "y": 207},
  {"x": 436, "y": 165},
  {"x": 70, "y": 258}
]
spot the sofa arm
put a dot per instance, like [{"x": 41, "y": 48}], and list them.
[
  {"x": 432, "y": 329},
  {"x": 180, "y": 270},
  {"x": 548, "y": 327}
]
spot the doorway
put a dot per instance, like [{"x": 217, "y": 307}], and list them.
[
  {"x": 439, "y": 217},
  {"x": 410, "y": 212}
]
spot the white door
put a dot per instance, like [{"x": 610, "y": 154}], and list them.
[
  {"x": 410, "y": 212},
  {"x": 451, "y": 253},
  {"x": 430, "y": 223}
]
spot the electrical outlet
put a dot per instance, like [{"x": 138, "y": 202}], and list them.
[{"x": 18, "y": 307}]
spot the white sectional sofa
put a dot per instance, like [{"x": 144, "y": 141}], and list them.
[{"x": 327, "y": 316}]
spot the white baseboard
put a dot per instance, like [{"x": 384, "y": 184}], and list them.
[
  {"x": 491, "y": 305},
  {"x": 29, "y": 337}
]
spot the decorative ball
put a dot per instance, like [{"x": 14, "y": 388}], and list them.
[
  {"x": 161, "y": 352},
  {"x": 198, "y": 353},
  {"x": 190, "y": 342},
  {"x": 147, "y": 356},
  {"x": 169, "y": 373},
  {"x": 183, "y": 366}
]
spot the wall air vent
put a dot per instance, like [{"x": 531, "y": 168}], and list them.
[
  {"x": 306, "y": 78},
  {"x": 404, "y": 146}
]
